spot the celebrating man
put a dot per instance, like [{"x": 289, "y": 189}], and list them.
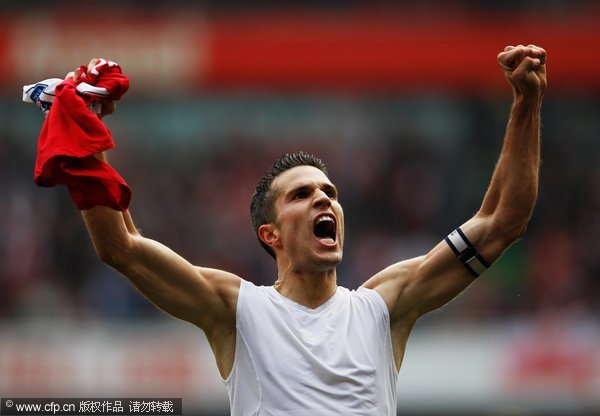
[{"x": 306, "y": 346}]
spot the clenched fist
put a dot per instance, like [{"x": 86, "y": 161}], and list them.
[
  {"x": 525, "y": 68},
  {"x": 103, "y": 106}
]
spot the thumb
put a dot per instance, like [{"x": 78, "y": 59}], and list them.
[{"x": 510, "y": 58}]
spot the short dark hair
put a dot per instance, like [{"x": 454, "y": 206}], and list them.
[{"x": 262, "y": 206}]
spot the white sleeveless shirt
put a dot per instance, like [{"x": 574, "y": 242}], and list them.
[{"x": 334, "y": 360}]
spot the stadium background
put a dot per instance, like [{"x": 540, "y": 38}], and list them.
[{"x": 405, "y": 102}]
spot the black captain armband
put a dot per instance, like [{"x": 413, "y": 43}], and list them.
[{"x": 466, "y": 253}]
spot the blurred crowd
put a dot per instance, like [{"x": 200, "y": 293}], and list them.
[
  {"x": 405, "y": 181},
  {"x": 423, "y": 4}
]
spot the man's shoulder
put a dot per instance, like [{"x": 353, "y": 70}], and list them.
[{"x": 364, "y": 295}]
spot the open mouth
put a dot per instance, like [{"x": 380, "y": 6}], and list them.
[{"x": 324, "y": 229}]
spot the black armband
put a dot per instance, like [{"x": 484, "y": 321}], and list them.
[{"x": 466, "y": 253}]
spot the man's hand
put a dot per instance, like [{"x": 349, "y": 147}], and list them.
[
  {"x": 107, "y": 106},
  {"x": 525, "y": 68}
]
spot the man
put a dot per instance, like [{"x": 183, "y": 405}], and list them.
[{"x": 306, "y": 346}]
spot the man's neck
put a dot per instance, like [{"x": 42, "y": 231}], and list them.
[{"x": 308, "y": 289}]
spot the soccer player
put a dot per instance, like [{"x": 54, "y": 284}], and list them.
[{"x": 306, "y": 346}]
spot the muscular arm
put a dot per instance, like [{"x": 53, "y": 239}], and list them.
[
  {"x": 202, "y": 296},
  {"x": 198, "y": 295},
  {"x": 416, "y": 286}
]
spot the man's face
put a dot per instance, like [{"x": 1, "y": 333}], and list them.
[{"x": 309, "y": 219}]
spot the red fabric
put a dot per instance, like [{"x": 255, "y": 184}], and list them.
[
  {"x": 106, "y": 74},
  {"x": 70, "y": 137}
]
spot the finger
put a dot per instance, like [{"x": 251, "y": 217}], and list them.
[
  {"x": 535, "y": 52},
  {"x": 92, "y": 64},
  {"x": 74, "y": 75},
  {"x": 513, "y": 55},
  {"x": 539, "y": 53},
  {"x": 526, "y": 67},
  {"x": 510, "y": 59},
  {"x": 532, "y": 63}
]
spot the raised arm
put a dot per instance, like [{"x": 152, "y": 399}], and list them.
[
  {"x": 202, "y": 296},
  {"x": 414, "y": 287},
  {"x": 198, "y": 295},
  {"x": 205, "y": 297}
]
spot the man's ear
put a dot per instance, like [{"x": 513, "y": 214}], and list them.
[{"x": 269, "y": 235}]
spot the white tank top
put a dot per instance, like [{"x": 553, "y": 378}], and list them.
[{"x": 291, "y": 360}]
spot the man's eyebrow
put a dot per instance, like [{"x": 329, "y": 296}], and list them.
[
  {"x": 330, "y": 187},
  {"x": 305, "y": 187},
  {"x": 297, "y": 188}
]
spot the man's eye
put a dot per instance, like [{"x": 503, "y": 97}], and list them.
[
  {"x": 300, "y": 195},
  {"x": 330, "y": 192}
]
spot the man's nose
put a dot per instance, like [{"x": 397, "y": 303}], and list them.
[{"x": 322, "y": 199}]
